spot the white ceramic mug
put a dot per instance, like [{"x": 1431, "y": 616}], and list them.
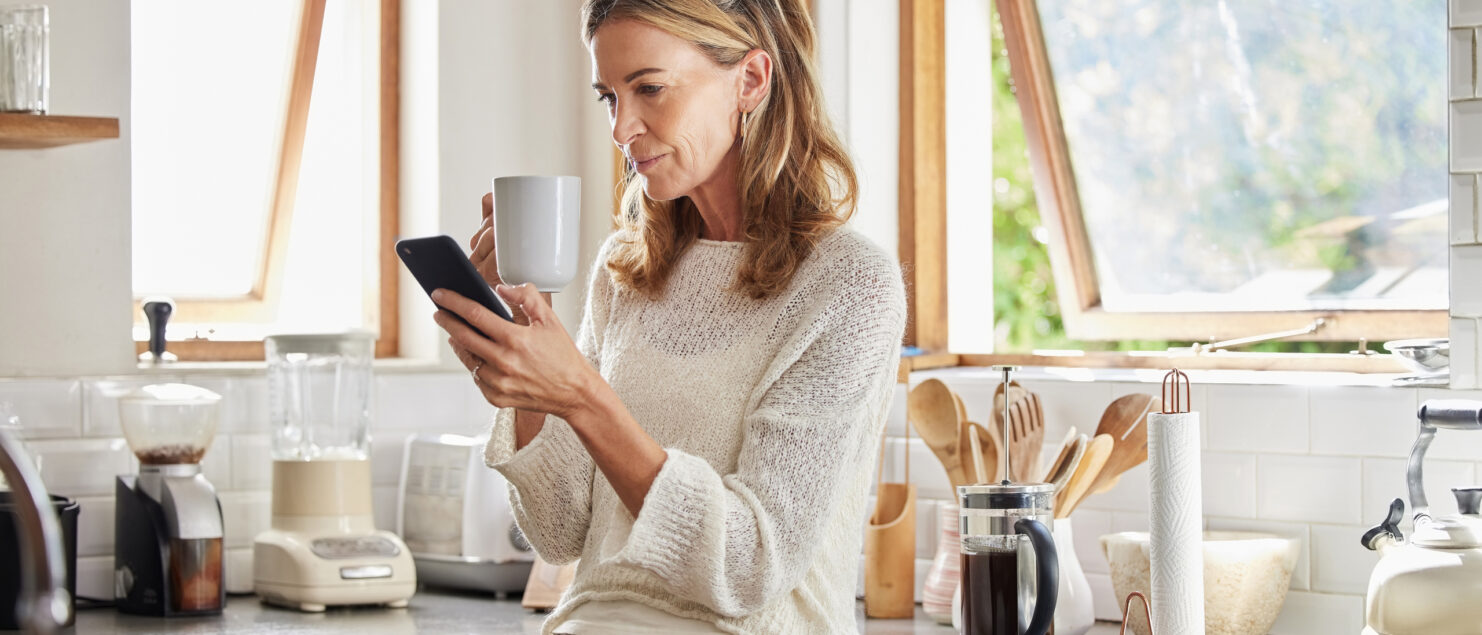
[{"x": 536, "y": 225}]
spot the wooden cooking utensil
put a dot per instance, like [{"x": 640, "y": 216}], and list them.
[
  {"x": 980, "y": 471},
  {"x": 995, "y": 424},
  {"x": 990, "y": 453},
  {"x": 932, "y": 409},
  {"x": 1092, "y": 460},
  {"x": 1027, "y": 437},
  {"x": 1070, "y": 457},
  {"x": 1064, "y": 443},
  {"x": 1124, "y": 421}
]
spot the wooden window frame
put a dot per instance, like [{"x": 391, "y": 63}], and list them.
[
  {"x": 923, "y": 220},
  {"x": 261, "y": 303}
]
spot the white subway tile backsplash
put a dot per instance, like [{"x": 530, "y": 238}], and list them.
[
  {"x": 1352, "y": 421},
  {"x": 1129, "y": 495},
  {"x": 425, "y": 401},
  {"x": 237, "y": 569},
  {"x": 1228, "y": 484},
  {"x": 1463, "y": 209},
  {"x": 1384, "y": 481},
  {"x": 1466, "y": 124},
  {"x": 387, "y": 450},
  {"x": 1257, "y": 418},
  {"x": 44, "y": 408},
  {"x": 252, "y": 462},
  {"x": 928, "y": 527},
  {"x": 1308, "y": 613},
  {"x": 1130, "y": 521},
  {"x": 1104, "y": 597},
  {"x": 1466, "y": 294},
  {"x": 1309, "y": 488},
  {"x": 216, "y": 466},
  {"x": 95, "y": 526},
  {"x": 1302, "y": 574},
  {"x": 1466, "y": 13},
  {"x": 245, "y": 514},
  {"x": 1459, "y": 49},
  {"x": 1088, "y": 526},
  {"x": 95, "y": 577},
  {"x": 1464, "y": 355},
  {"x": 1339, "y": 563},
  {"x": 82, "y": 467}
]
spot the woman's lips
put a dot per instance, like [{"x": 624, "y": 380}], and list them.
[{"x": 644, "y": 166}]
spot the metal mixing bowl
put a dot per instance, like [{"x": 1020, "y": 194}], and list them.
[{"x": 1430, "y": 356}]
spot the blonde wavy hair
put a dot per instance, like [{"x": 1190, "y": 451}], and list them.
[{"x": 796, "y": 180}]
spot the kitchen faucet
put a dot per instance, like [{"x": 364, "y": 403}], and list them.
[{"x": 44, "y": 605}]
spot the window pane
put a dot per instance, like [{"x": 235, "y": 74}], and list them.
[
  {"x": 209, "y": 90},
  {"x": 1257, "y": 155}
]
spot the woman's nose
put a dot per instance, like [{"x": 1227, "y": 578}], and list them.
[{"x": 626, "y": 125}]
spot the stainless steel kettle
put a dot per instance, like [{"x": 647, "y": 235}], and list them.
[{"x": 1430, "y": 583}]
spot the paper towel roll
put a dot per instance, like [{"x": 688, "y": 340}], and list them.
[{"x": 1176, "y": 556}]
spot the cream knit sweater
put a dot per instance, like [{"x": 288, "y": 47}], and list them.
[{"x": 770, "y": 412}]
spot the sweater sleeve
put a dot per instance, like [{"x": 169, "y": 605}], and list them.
[
  {"x": 550, "y": 479},
  {"x": 738, "y": 541}
]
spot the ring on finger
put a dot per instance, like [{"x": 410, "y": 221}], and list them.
[{"x": 476, "y": 367}]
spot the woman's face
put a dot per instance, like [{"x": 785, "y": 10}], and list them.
[{"x": 673, "y": 111}]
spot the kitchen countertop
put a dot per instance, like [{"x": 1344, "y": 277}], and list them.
[{"x": 431, "y": 611}]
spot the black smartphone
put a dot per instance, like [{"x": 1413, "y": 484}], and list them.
[{"x": 437, "y": 262}]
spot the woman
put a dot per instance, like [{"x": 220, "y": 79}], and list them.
[{"x": 705, "y": 446}]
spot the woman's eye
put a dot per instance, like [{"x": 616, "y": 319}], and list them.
[
  {"x": 607, "y": 98},
  {"x": 650, "y": 89}
]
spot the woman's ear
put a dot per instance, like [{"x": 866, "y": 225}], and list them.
[{"x": 756, "y": 78}]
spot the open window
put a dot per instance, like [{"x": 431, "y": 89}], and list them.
[
  {"x": 1221, "y": 170},
  {"x": 265, "y": 174}
]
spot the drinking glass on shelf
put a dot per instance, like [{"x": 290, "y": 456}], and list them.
[{"x": 24, "y": 70}]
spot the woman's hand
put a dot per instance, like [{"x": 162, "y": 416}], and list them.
[{"x": 534, "y": 367}]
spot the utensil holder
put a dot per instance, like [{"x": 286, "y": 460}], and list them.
[
  {"x": 946, "y": 568},
  {"x": 890, "y": 544},
  {"x": 1074, "y": 611}
]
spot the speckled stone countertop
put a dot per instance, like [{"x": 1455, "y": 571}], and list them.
[{"x": 431, "y": 611}]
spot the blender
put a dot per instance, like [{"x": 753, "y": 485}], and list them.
[
  {"x": 323, "y": 548},
  {"x": 167, "y": 527},
  {"x": 1010, "y": 569}
]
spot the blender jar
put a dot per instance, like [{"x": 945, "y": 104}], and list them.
[
  {"x": 1009, "y": 564},
  {"x": 319, "y": 395},
  {"x": 169, "y": 424}
]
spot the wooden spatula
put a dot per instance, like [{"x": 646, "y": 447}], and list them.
[
  {"x": 1125, "y": 421},
  {"x": 1080, "y": 481},
  {"x": 932, "y": 408},
  {"x": 990, "y": 452}
]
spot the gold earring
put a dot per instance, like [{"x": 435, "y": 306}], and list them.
[{"x": 743, "y": 123}]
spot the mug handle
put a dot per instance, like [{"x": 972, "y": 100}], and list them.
[{"x": 1047, "y": 568}]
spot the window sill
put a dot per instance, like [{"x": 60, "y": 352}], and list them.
[
  {"x": 1214, "y": 368},
  {"x": 386, "y": 365}
]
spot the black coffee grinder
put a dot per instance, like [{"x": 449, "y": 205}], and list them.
[{"x": 167, "y": 528}]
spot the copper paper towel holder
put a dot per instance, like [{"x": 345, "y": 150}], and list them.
[{"x": 1176, "y": 392}]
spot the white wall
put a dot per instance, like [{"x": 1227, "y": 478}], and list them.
[
  {"x": 64, "y": 212},
  {"x": 1466, "y": 189}
]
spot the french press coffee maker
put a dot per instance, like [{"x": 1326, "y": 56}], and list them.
[{"x": 1009, "y": 564}]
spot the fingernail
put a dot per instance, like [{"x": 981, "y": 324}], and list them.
[{"x": 437, "y": 294}]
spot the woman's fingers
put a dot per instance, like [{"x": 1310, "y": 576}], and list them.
[
  {"x": 489, "y": 325},
  {"x": 488, "y": 205},
  {"x": 483, "y": 243},
  {"x": 529, "y": 300}
]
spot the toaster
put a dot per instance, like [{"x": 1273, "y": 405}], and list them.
[{"x": 453, "y": 513}]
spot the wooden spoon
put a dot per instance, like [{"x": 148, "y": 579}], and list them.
[
  {"x": 931, "y": 407},
  {"x": 1124, "y": 421},
  {"x": 979, "y": 470},
  {"x": 1080, "y": 481}
]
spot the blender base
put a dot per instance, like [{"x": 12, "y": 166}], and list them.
[{"x": 324, "y": 549}]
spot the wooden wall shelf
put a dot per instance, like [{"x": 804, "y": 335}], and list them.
[{"x": 22, "y": 131}]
